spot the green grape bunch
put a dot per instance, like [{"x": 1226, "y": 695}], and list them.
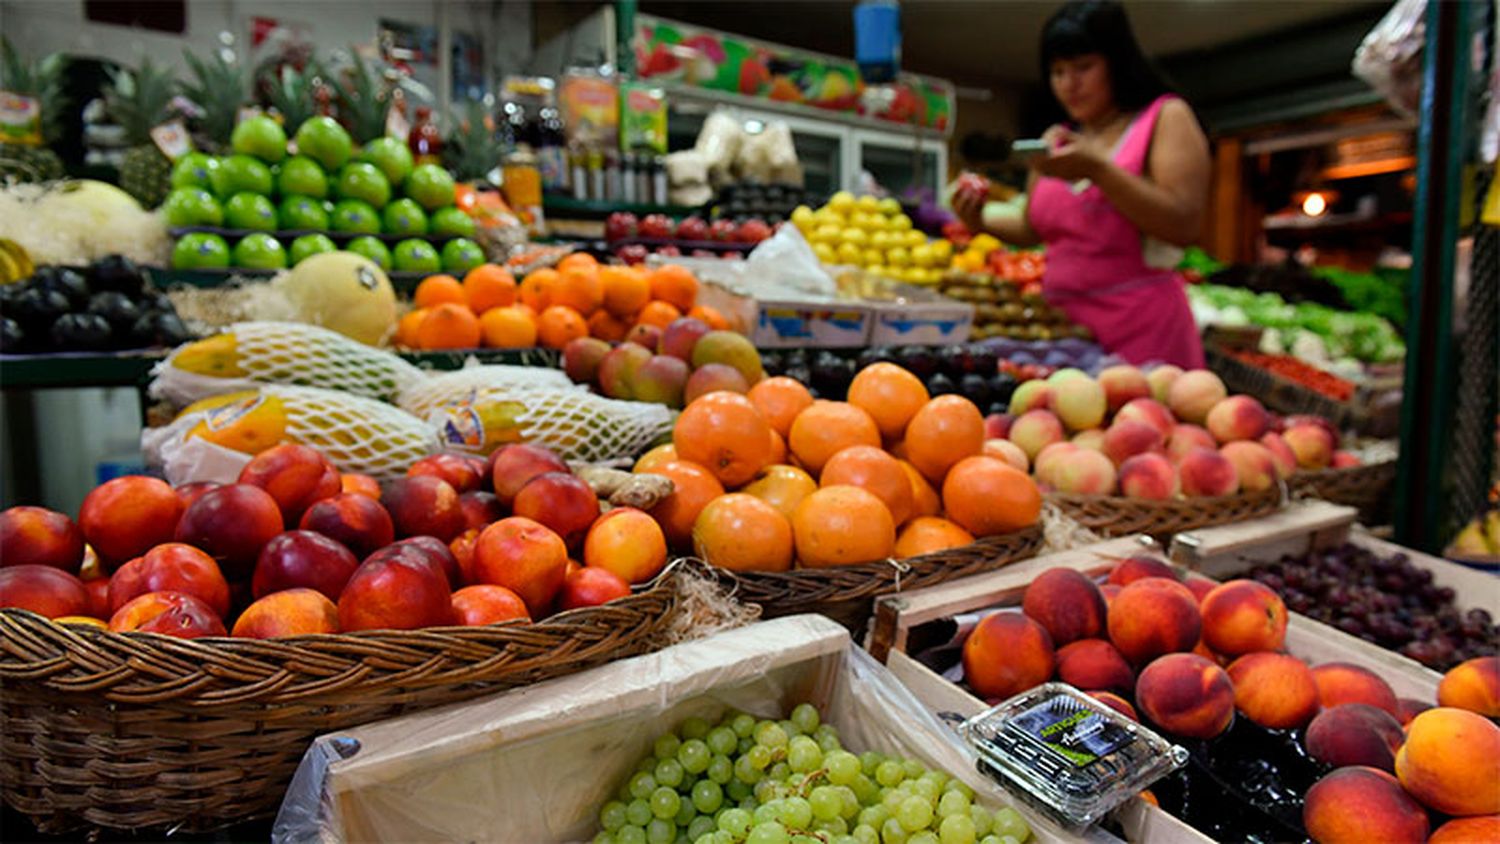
[{"x": 749, "y": 781}]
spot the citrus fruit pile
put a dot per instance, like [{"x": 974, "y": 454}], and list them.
[
  {"x": 765, "y": 781},
  {"x": 874, "y": 234}
]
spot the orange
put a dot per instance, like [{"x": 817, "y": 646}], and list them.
[
  {"x": 607, "y": 326},
  {"x": 489, "y": 286},
  {"x": 626, "y": 290},
  {"x": 827, "y": 427},
  {"x": 782, "y": 487},
  {"x": 743, "y": 533},
  {"x": 675, "y": 285},
  {"x": 987, "y": 496},
  {"x": 842, "y": 525},
  {"x": 448, "y": 326},
  {"x": 406, "y": 329},
  {"x": 924, "y": 499},
  {"x": 578, "y": 259},
  {"x": 438, "y": 290},
  {"x": 715, "y": 320},
  {"x": 536, "y": 288},
  {"x": 655, "y": 457},
  {"x": 659, "y": 314},
  {"x": 724, "y": 433},
  {"x": 579, "y": 288},
  {"x": 778, "y": 447},
  {"x": 926, "y": 534},
  {"x": 508, "y": 328},
  {"x": 558, "y": 325},
  {"x": 944, "y": 431},
  {"x": 692, "y": 488},
  {"x": 779, "y": 400},
  {"x": 890, "y": 394},
  {"x": 874, "y": 471}
]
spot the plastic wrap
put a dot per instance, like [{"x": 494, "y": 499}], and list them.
[
  {"x": 1390, "y": 57},
  {"x": 719, "y": 143},
  {"x": 535, "y": 764}
]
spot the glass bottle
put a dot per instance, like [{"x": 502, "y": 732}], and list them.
[{"x": 425, "y": 141}]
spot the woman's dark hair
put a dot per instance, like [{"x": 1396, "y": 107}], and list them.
[{"x": 1100, "y": 26}]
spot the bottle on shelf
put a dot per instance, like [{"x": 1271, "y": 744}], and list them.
[
  {"x": 425, "y": 141},
  {"x": 552, "y": 157},
  {"x": 658, "y": 180}
]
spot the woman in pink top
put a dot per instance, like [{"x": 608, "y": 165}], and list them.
[{"x": 1119, "y": 191}]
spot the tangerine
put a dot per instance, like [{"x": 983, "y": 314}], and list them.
[
  {"x": 778, "y": 447},
  {"x": 724, "y": 433},
  {"x": 842, "y": 525},
  {"x": 779, "y": 400},
  {"x": 926, "y": 534},
  {"x": 578, "y": 259},
  {"x": 986, "y": 496},
  {"x": 659, "y": 314},
  {"x": 740, "y": 532},
  {"x": 924, "y": 499},
  {"x": 448, "y": 326},
  {"x": 890, "y": 394},
  {"x": 944, "y": 431},
  {"x": 536, "y": 288},
  {"x": 558, "y": 325},
  {"x": 692, "y": 488},
  {"x": 675, "y": 285},
  {"x": 406, "y": 328},
  {"x": 579, "y": 288},
  {"x": 439, "y": 290},
  {"x": 489, "y": 286},
  {"x": 874, "y": 471},
  {"x": 626, "y": 290},
  {"x": 782, "y": 487},
  {"x": 827, "y": 427},
  {"x": 655, "y": 457},
  {"x": 607, "y": 326},
  {"x": 714, "y": 319},
  {"x": 510, "y": 327}
]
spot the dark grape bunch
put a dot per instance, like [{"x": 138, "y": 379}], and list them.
[
  {"x": 1385, "y": 600},
  {"x": 107, "y": 305},
  {"x": 971, "y": 370}
]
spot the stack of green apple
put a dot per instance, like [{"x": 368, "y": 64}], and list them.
[{"x": 288, "y": 203}]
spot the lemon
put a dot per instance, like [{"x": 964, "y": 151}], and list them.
[
  {"x": 858, "y": 219},
  {"x": 855, "y": 236},
  {"x": 923, "y": 256},
  {"x": 827, "y": 233},
  {"x": 873, "y": 257},
  {"x": 915, "y": 238},
  {"x": 802, "y": 217},
  {"x": 849, "y": 253},
  {"x": 824, "y": 252},
  {"x": 890, "y": 207},
  {"x": 898, "y": 257},
  {"x": 880, "y": 240},
  {"x": 915, "y": 275},
  {"x": 827, "y": 217},
  {"x": 868, "y": 204},
  {"x": 901, "y": 223},
  {"x": 943, "y": 249},
  {"x": 878, "y": 269},
  {"x": 843, "y": 202}
]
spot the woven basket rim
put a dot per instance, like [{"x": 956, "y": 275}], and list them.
[
  {"x": 1332, "y": 473},
  {"x": 1188, "y": 504}
]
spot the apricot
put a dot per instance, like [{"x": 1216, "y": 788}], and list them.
[
  {"x": 1274, "y": 690},
  {"x": 353, "y": 519},
  {"x": 1451, "y": 761},
  {"x": 1154, "y": 616},
  {"x": 1342, "y": 682},
  {"x": 36, "y": 536},
  {"x": 171, "y": 567},
  {"x": 1131, "y": 569},
  {"x": 1479, "y": 829},
  {"x": 1473, "y": 685},
  {"x": 1068, "y": 604},
  {"x": 395, "y": 591},
  {"x": 44, "y": 590},
  {"x": 486, "y": 603},
  {"x": 1161, "y": 379},
  {"x": 1311, "y": 444},
  {"x": 297, "y": 476},
  {"x": 232, "y": 524},
  {"x": 1355, "y": 734},
  {"x": 1034, "y": 430},
  {"x": 1084, "y": 472},
  {"x": 1358, "y": 805},
  {"x": 167, "y": 613},
  {"x": 126, "y": 517},
  {"x": 290, "y": 612},
  {"x": 1094, "y": 664},
  {"x": 590, "y": 587},
  {"x": 1115, "y": 702},
  {"x": 525, "y": 557},
  {"x": 424, "y": 506},
  {"x": 628, "y": 543},
  {"x": 1185, "y": 695},
  {"x": 1006, "y": 654},
  {"x": 1243, "y": 616},
  {"x": 303, "y": 559}
]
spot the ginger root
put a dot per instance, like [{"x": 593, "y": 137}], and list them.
[{"x": 625, "y": 489}]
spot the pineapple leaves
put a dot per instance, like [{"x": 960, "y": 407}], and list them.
[{"x": 218, "y": 89}]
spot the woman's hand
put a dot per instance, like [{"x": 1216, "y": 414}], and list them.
[
  {"x": 1070, "y": 156},
  {"x": 970, "y": 208}
]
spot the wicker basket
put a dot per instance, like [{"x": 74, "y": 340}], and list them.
[
  {"x": 1367, "y": 487},
  {"x": 847, "y": 594},
  {"x": 1113, "y": 515},
  {"x": 136, "y": 731},
  {"x": 1281, "y": 394}
]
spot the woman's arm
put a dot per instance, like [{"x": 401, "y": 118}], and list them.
[{"x": 1013, "y": 229}]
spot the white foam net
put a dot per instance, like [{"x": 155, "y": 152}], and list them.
[
  {"x": 440, "y": 389},
  {"x": 576, "y": 424}
]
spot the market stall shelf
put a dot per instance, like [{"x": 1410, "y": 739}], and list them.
[
  {"x": 1368, "y": 487},
  {"x": 1112, "y": 515}
]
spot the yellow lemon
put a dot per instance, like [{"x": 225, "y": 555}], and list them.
[
  {"x": 825, "y": 253},
  {"x": 873, "y": 257},
  {"x": 842, "y": 202},
  {"x": 868, "y": 204},
  {"x": 855, "y": 236},
  {"x": 923, "y": 256},
  {"x": 898, "y": 257},
  {"x": 890, "y": 207},
  {"x": 849, "y": 253},
  {"x": 827, "y": 233},
  {"x": 901, "y": 223},
  {"x": 802, "y": 217}
]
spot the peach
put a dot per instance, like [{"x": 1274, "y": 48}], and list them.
[
  {"x": 1149, "y": 411},
  {"x": 1185, "y": 438},
  {"x": 1079, "y": 403},
  {"x": 486, "y": 603},
  {"x": 591, "y": 587},
  {"x": 628, "y": 543},
  {"x": 232, "y": 523},
  {"x": 171, "y": 567},
  {"x": 1200, "y": 587},
  {"x": 1186, "y": 695},
  {"x": 464, "y": 474},
  {"x": 1281, "y": 454},
  {"x": 1406, "y": 708},
  {"x": 1094, "y": 664},
  {"x": 1480, "y": 829},
  {"x": 581, "y": 357},
  {"x": 1316, "y": 421},
  {"x": 167, "y": 613},
  {"x": 1354, "y": 734},
  {"x": 1358, "y": 805},
  {"x": 1085, "y": 472},
  {"x": 395, "y": 591},
  {"x": 1274, "y": 690},
  {"x": 126, "y": 517},
  {"x": 1253, "y": 465},
  {"x": 1092, "y": 439},
  {"x": 480, "y": 509},
  {"x": 997, "y": 426},
  {"x": 1149, "y": 476},
  {"x": 1006, "y": 654},
  {"x": 438, "y": 555},
  {"x": 1115, "y": 702},
  {"x": 1068, "y": 604},
  {"x": 561, "y": 501},
  {"x": 1154, "y": 616},
  {"x": 1194, "y": 394},
  {"x": 1311, "y": 445},
  {"x": 513, "y": 466},
  {"x": 36, "y": 536},
  {"x": 362, "y": 484},
  {"x": 1161, "y": 379},
  {"x": 1243, "y": 616},
  {"x": 1345, "y": 460},
  {"x": 1009, "y": 452},
  {"x": 1047, "y": 461},
  {"x": 1131, "y": 569},
  {"x": 462, "y": 548},
  {"x": 1451, "y": 762},
  {"x": 680, "y": 336},
  {"x": 44, "y": 590},
  {"x": 663, "y": 380},
  {"x": 303, "y": 559},
  {"x": 1207, "y": 473},
  {"x": 424, "y": 506},
  {"x": 1129, "y": 437},
  {"x": 1473, "y": 685},
  {"x": 525, "y": 557},
  {"x": 1029, "y": 396},
  {"x": 290, "y": 612},
  {"x": 1123, "y": 384},
  {"x": 1343, "y": 682},
  {"x": 1238, "y": 418},
  {"x": 1034, "y": 430},
  {"x": 297, "y": 476},
  {"x": 357, "y": 521}
]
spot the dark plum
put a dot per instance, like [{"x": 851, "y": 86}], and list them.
[
  {"x": 921, "y": 361},
  {"x": 35, "y": 310},
  {"x": 80, "y": 332},
  {"x": 65, "y": 281},
  {"x": 159, "y": 329},
  {"x": 875, "y": 354},
  {"x": 976, "y": 388},
  {"x": 117, "y": 310},
  {"x": 941, "y": 385},
  {"x": 11, "y": 336},
  {"x": 117, "y": 273}
]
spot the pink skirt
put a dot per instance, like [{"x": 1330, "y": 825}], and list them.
[{"x": 1149, "y": 322}]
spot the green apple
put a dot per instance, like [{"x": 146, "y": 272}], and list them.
[
  {"x": 430, "y": 185},
  {"x": 325, "y": 141},
  {"x": 261, "y": 137},
  {"x": 259, "y": 251},
  {"x": 371, "y": 247},
  {"x": 392, "y": 157},
  {"x": 461, "y": 255},
  {"x": 192, "y": 207},
  {"x": 405, "y": 216},
  {"x": 415, "y": 256},
  {"x": 250, "y": 211},
  {"x": 241, "y": 174},
  {"x": 301, "y": 176},
  {"x": 363, "y": 181},
  {"x": 308, "y": 245},
  {"x": 352, "y": 215},
  {"x": 302, "y": 212},
  {"x": 200, "y": 250},
  {"x": 194, "y": 170},
  {"x": 452, "y": 222}
]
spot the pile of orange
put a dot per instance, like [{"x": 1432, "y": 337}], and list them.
[
  {"x": 775, "y": 479},
  {"x": 550, "y": 306}
]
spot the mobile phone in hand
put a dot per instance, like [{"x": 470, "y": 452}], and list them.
[{"x": 1027, "y": 150}]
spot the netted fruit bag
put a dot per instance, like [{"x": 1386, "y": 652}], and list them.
[
  {"x": 440, "y": 389},
  {"x": 576, "y": 424}
]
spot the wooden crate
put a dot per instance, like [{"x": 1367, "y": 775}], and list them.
[{"x": 1226, "y": 549}]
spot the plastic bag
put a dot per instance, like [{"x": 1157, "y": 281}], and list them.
[
  {"x": 787, "y": 263},
  {"x": 719, "y": 144},
  {"x": 535, "y": 764},
  {"x": 1390, "y": 57}
]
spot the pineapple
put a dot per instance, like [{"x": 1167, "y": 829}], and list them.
[
  {"x": 43, "y": 81},
  {"x": 218, "y": 88},
  {"x": 473, "y": 150},
  {"x": 290, "y": 93},
  {"x": 363, "y": 98},
  {"x": 139, "y": 100}
]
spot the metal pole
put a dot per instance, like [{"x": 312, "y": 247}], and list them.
[{"x": 624, "y": 35}]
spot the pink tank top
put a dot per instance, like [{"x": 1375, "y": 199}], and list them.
[{"x": 1096, "y": 268}]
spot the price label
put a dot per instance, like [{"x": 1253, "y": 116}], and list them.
[
  {"x": 20, "y": 119},
  {"x": 172, "y": 139}
]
